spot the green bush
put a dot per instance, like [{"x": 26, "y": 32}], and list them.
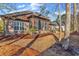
[
  {"x": 1, "y": 25},
  {"x": 1, "y": 28},
  {"x": 32, "y": 30}
]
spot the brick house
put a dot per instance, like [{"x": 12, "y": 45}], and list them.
[{"x": 21, "y": 22}]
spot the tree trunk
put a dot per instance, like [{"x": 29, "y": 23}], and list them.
[
  {"x": 59, "y": 23},
  {"x": 68, "y": 21},
  {"x": 75, "y": 18},
  {"x": 65, "y": 43}
]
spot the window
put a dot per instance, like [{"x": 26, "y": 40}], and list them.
[
  {"x": 42, "y": 24},
  {"x": 17, "y": 23},
  {"x": 39, "y": 24},
  {"x": 45, "y": 26},
  {"x": 18, "y": 26}
]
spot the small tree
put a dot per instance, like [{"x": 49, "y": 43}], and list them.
[{"x": 43, "y": 10}]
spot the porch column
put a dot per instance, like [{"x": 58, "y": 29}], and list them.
[
  {"x": 5, "y": 26},
  {"x": 33, "y": 22}
]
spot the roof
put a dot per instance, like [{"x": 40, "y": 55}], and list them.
[
  {"x": 28, "y": 13},
  {"x": 54, "y": 23},
  {"x": 17, "y": 13}
]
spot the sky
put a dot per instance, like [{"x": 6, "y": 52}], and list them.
[{"x": 35, "y": 7}]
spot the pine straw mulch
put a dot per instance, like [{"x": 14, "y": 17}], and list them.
[
  {"x": 30, "y": 52},
  {"x": 8, "y": 50},
  {"x": 43, "y": 42}
]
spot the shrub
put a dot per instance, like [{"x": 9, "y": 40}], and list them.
[{"x": 32, "y": 30}]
